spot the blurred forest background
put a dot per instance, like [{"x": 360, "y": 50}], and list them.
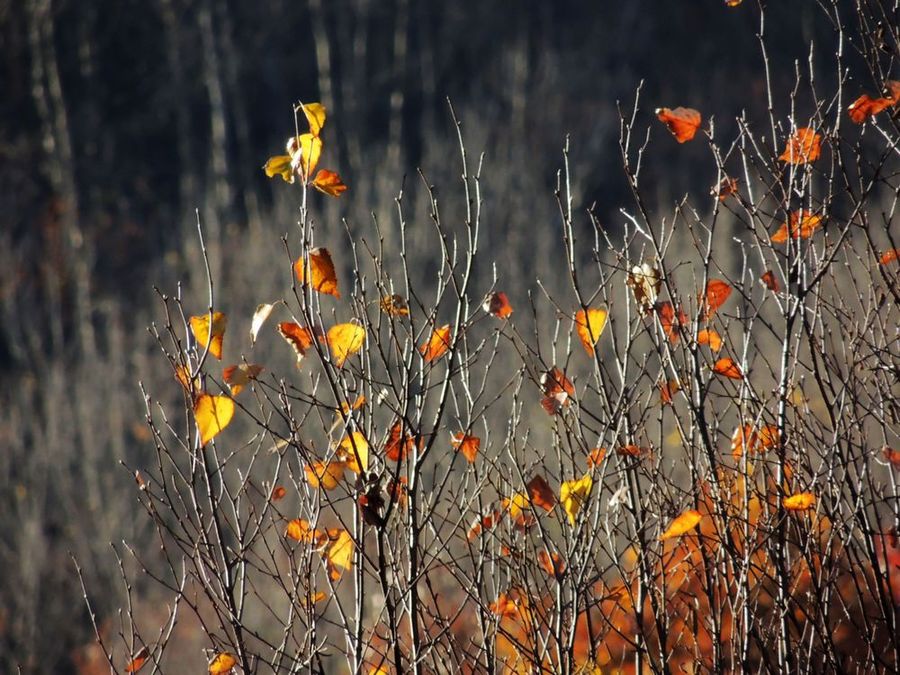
[{"x": 120, "y": 118}]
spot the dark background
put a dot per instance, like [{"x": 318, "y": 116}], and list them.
[{"x": 120, "y": 118}]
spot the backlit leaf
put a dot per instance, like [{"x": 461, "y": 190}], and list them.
[
  {"x": 398, "y": 447},
  {"x": 300, "y": 339},
  {"x": 497, "y": 304},
  {"x": 552, "y": 563},
  {"x": 329, "y": 183},
  {"x": 589, "y": 324},
  {"x": 540, "y": 493},
  {"x": 518, "y": 507},
  {"x": 321, "y": 275},
  {"x": 710, "y": 337},
  {"x": 799, "y": 502},
  {"x": 667, "y": 319},
  {"x": 280, "y": 165},
  {"x": 394, "y": 305},
  {"x": 865, "y": 107},
  {"x": 466, "y": 444},
  {"x": 596, "y": 456},
  {"x": 222, "y": 664},
  {"x": 645, "y": 281},
  {"x": 726, "y": 367},
  {"x": 889, "y": 256},
  {"x": 557, "y": 390},
  {"x": 682, "y": 122},
  {"x": 768, "y": 278},
  {"x": 345, "y": 340},
  {"x": 278, "y": 493},
  {"x": 717, "y": 292},
  {"x": 667, "y": 391},
  {"x": 726, "y": 187},
  {"x": 354, "y": 450},
  {"x": 212, "y": 414},
  {"x": 315, "y": 114},
  {"x": 259, "y": 318},
  {"x": 573, "y": 494},
  {"x": 183, "y": 375},
  {"x": 214, "y": 337},
  {"x": 340, "y": 554},
  {"x": 682, "y": 524},
  {"x": 802, "y": 226},
  {"x": 300, "y": 530},
  {"x": 239, "y": 376},
  {"x": 138, "y": 661},
  {"x": 325, "y": 475},
  {"x": 305, "y": 151},
  {"x": 803, "y": 147},
  {"x": 437, "y": 345}
]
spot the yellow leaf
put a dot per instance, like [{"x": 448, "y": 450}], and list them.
[
  {"x": 305, "y": 151},
  {"x": 212, "y": 413},
  {"x": 222, "y": 664},
  {"x": 329, "y": 182},
  {"x": 344, "y": 340},
  {"x": 316, "y": 597},
  {"x": 573, "y": 493},
  {"x": 340, "y": 554},
  {"x": 280, "y": 165},
  {"x": 315, "y": 114},
  {"x": 589, "y": 325},
  {"x": 321, "y": 275},
  {"x": 325, "y": 475},
  {"x": 354, "y": 450},
  {"x": 201, "y": 331},
  {"x": 799, "y": 502},
  {"x": 681, "y": 525}
]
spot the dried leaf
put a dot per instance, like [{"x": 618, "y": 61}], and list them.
[
  {"x": 394, "y": 305},
  {"x": 596, "y": 456},
  {"x": 329, "y": 183},
  {"x": 222, "y": 664},
  {"x": 726, "y": 187},
  {"x": 301, "y": 339},
  {"x": 889, "y": 256},
  {"x": 497, "y": 304},
  {"x": 466, "y": 444},
  {"x": 645, "y": 282},
  {"x": 437, "y": 344},
  {"x": 802, "y": 226},
  {"x": 589, "y": 324},
  {"x": 397, "y": 447},
  {"x": 138, "y": 661},
  {"x": 710, "y": 337},
  {"x": 345, "y": 340},
  {"x": 865, "y": 107},
  {"x": 540, "y": 493},
  {"x": 259, "y": 318},
  {"x": 717, "y": 292},
  {"x": 768, "y": 278},
  {"x": 278, "y": 493},
  {"x": 557, "y": 390},
  {"x": 681, "y": 525},
  {"x": 191, "y": 386},
  {"x": 803, "y": 147},
  {"x": 573, "y": 494},
  {"x": 203, "y": 335},
  {"x": 682, "y": 122},
  {"x": 239, "y": 376},
  {"x": 667, "y": 390},
  {"x": 552, "y": 563},
  {"x": 212, "y": 414},
  {"x": 726, "y": 367},
  {"x": 322, "y": 276},
  {"x": 305, "y": 151},
  {"x": 667, "y": 319},
  {"x": 892, "y": 456},
  {"x": 799, "y": 502}
]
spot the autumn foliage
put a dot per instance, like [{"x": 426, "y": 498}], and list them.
[{"x": 683, "y": 465}]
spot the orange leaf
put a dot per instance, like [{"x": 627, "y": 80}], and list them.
[
  {"x": 753, "y": 440},
  {"x": 540, "y": 493},
  {"x": 278, "y": 493},
  {"x": 799, "y": 502},
  {"x": 682, "y": 122},
  {"x": 865, "y": 107},
  {"x": 203, "y": 335},
  {"x": 437, "y": 344},
  {"x": 300, "y": 530},
  {"x": 667, "y": 319},
  {"x": 552, "y": 563},
  {"x": 519, "y": 508},
  {"x": 345, "y": 340},
  {"x": 398, "y": 490},
  {"x": 238, "y": 377},
  {"x": 681, "y": 525},
  {"x": 322, "y": 277},
  {"x": 301, "y": 339},
  {"x": 573, "y": 494},
  {"x": 354, "y": 451},
  {"x": 512, "y": 604},
  {"x": 557, "y": 390},
  {"x": 710, "y": 337},
  {"x": 889, "y": 256},
  {"x": 325, "y": 475},
  {"x": 138, "y": 661},
  {"x": 212, "y": 414},
  {"x": 466, "y": 444},
  {"x": 728, "y": 368},
  {"x": 802, "y": 225},
  {"x": 630, "y": 451},
  {"x": 394, "y": 305},
  {"x": 483, "y": 523},
  {"x": 589, "y": 324},
  {"x": 329, "y": 182},
  {"x": 717, "y": 292},
  {"x": 667, "y": 390},
  {"x": 397, "y": 449},
  {"x": 804, "y": 146},
  {"x": 733, "y": 3},
  {"x": 726, "y": 187},
  {"x": 183, "y": 374},
  {"x": 892, "y": 456},
  {"x": 497, "y": 304},
  {"x": 768, "y": 278},
  {"x": 316, "y": 597},
  {"x": 222, "y": 664},
  {"x": 595, "y": 456}
]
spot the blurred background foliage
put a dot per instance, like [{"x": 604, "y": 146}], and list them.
[{"x": 120, "y": 118}]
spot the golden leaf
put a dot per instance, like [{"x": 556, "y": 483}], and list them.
[
  {"x": 589, "y": 324},
  {"x": 239, "y": 376},
  {"x": 315, "y": 114},
  {"x": 682, "y": 524},
  {"x": 322, "y": 276},
  {"x": 325, "y": 475},
  {"x": 222, "y": 663},
  {"x": 203, "y": 335},
  {"x": 799, "y": 502},
  {"x": 280, "y": 165},
  {"x": 707, "y": 336},
  {"x": 354, "y": 450},
  {"x": 394, "y": 305},
  {"x": 573, "y": 494},
  {"x": 340, "y": 554},
  {"x": 728, "y": 368},
  {"x": 344, "y": 340},
  {"x": 437, "y": 344},
  {"x": 212, "y": 414}
]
